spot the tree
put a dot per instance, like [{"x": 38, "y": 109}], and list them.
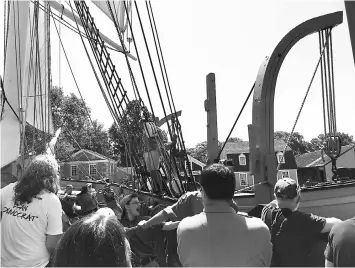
[
  {"x": 78, "y": 132},
  {"x": 297, "y": 143},
  {"x": 318, "y": 143},
  {"x": 128, "y": 135}
]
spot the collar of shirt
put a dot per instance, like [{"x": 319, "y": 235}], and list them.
[{"x": 218, "y": 209}]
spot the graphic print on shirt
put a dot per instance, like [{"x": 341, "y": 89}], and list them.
[{"x": 19, "y": 211}]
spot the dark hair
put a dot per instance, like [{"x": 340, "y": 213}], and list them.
[
  {"x": 41, "y": 174},
  {"x": 125, "y": 201},
  {"x": 95, "y": 240},
  {"x": 218, "y": 182},
  {"x": 84, "y": 189}
]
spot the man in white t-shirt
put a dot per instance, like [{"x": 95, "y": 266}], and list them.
[{"x": 31, "y": 215}]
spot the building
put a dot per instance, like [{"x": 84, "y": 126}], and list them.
[
  {"x": 86, "y": 164},
  {"x": 316, "y": 167},
  {"x": 239, "y": 153}
]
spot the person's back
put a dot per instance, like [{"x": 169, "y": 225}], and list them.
[
  {"x": 293, "y": 233},
  {"x": 224, "y": 238},
  {"x": 340, "y": 251},
  {"x": 219, "y": 236}
]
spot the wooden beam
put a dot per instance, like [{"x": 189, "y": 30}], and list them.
[
  {"x": 211, "y": 109},
  {"x": 264, "y": 163},
  {"x": 350, "y": 13}
]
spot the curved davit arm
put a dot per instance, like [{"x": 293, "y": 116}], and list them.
[{"x": 261, "y": 133}]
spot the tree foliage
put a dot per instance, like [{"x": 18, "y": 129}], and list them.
[
  {"x": 127, "y": 136},
  {"x": 318, "y": 143},
  {"x": 297, "y": 143},
  {"x": 71, "y": 114}
]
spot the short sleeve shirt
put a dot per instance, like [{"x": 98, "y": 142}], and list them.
[
  {"x": 341, "y": 244},
  {"x": 24, "y": 228},
  {"x": 293, "y": 236},
  {"x": 219, "y": 237}
]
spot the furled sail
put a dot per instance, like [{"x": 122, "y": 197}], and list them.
[
  {"x": 26, "y": 76},
  {"x": 118, "y": 9},
  {"x": 14, "y": 62}
]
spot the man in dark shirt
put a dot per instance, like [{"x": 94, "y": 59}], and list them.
[
  {"x": 340, "y": 251},
  {"x": 292, "y": 232}
]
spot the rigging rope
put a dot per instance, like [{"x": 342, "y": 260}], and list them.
[
  {"x": 151, "y": 64},
  {"x": 303, "y": 102},
  {"x": 93, "y": 27},
  {"x": 139, "y": 61},
  {"x": 160, "y": 96},
  {"x": 113, "y": 113},
  {"x": 135, "y": 88},
  {"x": 178, "y": 126},
  {"x": 235, "y": 122}
]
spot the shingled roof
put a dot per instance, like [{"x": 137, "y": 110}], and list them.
[
  {"x": 243, "y": 147},
  {"x": 314, "y": 159}
]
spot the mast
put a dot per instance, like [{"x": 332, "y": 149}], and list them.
[
  {"x": 59, "y": 51},
  {"x": 211, "y": 109}
]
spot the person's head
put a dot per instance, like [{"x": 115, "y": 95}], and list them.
[
  {"x": 287, "y": 193},
  {"x": 69, "y": 189},
  {"x": 218, "y": 183},
  {"x": 130, "y": 205},
  {"x": 97, "y": 240},
  {"x": 41, "y": 175},
  {"x": 86, "y": 188}
]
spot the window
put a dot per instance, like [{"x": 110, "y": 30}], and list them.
[
  {"x": 285, "y": 174},
  {"x": 74, "y": 171},
  {"x": 280, "y": 158},
  {"x": 92, "y": 170},
  {"x": 243, "y": 179},
  {"x": 242, "y": 160}
]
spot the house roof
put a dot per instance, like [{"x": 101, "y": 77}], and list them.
[
  {"x": 102, "y": 157},
  {"x": 243, "y": 147},
  {"x": 314, "y": 159}
]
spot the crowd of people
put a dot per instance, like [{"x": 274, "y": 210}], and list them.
[{"x": 204, "y": 228}]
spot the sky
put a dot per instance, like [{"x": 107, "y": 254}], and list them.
[{"x": 230, "y": 38}]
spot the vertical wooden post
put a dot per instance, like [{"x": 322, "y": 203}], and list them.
[
  {"x": 350, "y": 13},
  {"x": 211, "y": 109}
]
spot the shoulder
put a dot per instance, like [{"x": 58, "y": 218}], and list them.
[
  {"x": 191, "y": 223},
  {"x": 306, "y": 216},
  {"x": 8, "y": 188},
  {"x": 50, "y": 198},
  {"x": 343, "y": 228},
  {"x": 255, "y": 223}
]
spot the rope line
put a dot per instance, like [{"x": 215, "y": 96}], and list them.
[{"x": 303, "y": 102}]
